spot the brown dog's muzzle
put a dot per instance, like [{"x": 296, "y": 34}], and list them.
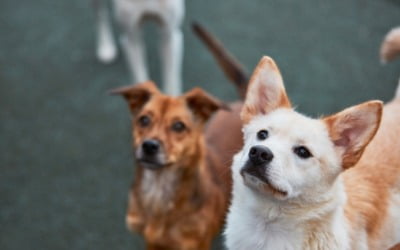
[
  {"x": 150, "y": 148},
  {"x": 151, "y": 154}
]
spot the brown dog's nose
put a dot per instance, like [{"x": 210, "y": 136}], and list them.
[
  {"x": 150, "y": 147},
  {"x": 260, "y": 155}
]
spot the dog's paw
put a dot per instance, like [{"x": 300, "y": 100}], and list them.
[
  {"x": 106, "y": 53},
  {"x": 133, "y": 223}
]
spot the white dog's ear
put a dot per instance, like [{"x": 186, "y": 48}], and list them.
[
  {"x": 352, "y": 129},
  {"x": 265, "y": 92}
]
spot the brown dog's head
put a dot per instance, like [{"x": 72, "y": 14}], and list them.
[{"x": 167, "y": 131}]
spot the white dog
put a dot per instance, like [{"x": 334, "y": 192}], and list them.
[
  {"x": 302, "y": 183},
  {"x": 130, "y": 15}
]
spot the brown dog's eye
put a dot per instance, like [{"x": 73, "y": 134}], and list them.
[
  {"x": 302, "y": 152},
  {"x": 144, "y": 121},
  {"x": 178, "y": 126}
]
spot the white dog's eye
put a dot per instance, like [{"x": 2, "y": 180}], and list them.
[
  {"x": 302, "y": 152},
  {"x": 262, "y": 134}
]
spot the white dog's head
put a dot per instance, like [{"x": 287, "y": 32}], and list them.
[{"x": 288, "y": 155}]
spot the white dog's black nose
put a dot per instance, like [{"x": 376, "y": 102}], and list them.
[
  {"x": 260, "y": 155},
  {"x": 150, "y": 147}
]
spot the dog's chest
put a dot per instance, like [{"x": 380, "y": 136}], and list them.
[
  {"x": 258, "y": 235},
  {"x": 249, "y": 231},
  {"x": 157, "y": 190}
]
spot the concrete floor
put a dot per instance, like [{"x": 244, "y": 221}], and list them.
[{"x": 65, "y": 149}]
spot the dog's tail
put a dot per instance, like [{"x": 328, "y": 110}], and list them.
[
  {"x": 397, "y": 95},
  {"x": 390, "y": 47},
  {"x": 390, "y": 50},
  {"x": 233, "y": 70}
]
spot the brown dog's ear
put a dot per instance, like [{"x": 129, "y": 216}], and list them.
[
  {"x": 202, "y": 104},
  {"x": 136, "y": 95},
  {"x": 352, "y": 129},
  {"x": 265, "y": 92}
]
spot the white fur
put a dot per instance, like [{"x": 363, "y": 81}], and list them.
[
  {"x": 130, "y": 15},
  {"x": 285, "y": 199},
  {"x": 260, "y": 220},
  {"x": 287, "y": 171},
  {"x": 106, "y": 48},
  {"x": 158, "y": 189}
]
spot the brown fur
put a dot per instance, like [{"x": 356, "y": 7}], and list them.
[
  {"x": 191, "y": 212},
  {"x": 369, "y": 184},
  {"x": 396, "y": 247}
]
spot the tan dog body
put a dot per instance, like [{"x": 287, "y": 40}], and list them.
[
  {"x": 179, "y": 197},
  {"x": 373, "y": 185},
  {"x": 303, "y": 183}
]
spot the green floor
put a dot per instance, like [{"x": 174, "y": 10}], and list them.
[{"x": 65, "y": 150}]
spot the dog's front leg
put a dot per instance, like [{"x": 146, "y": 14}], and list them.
[
  {"x": 132, "y": 44},
  {"x": 182, "y": 245},
  {"x": 134, "y": 218},
  {"x": 157, "y": 247},
  {"x": 171, "y": 56},
  {"x": 106, "y": 49}
]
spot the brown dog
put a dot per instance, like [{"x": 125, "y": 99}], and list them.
[{"x": 182, "y": 184}]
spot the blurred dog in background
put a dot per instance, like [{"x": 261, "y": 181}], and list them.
[
  {"x": 130, "y": 15},
  {"x": 181, "y": 189},
  {"x": 182, "y": 183}
]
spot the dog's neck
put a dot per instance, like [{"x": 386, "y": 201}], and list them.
[
  {"x": 288, "y": 225},
  {"x": 170, "y": 188},
  {"x": 303, "y": 209}
]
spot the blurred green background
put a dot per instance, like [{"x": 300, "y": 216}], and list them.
[{"x": 65, "y": 149}]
